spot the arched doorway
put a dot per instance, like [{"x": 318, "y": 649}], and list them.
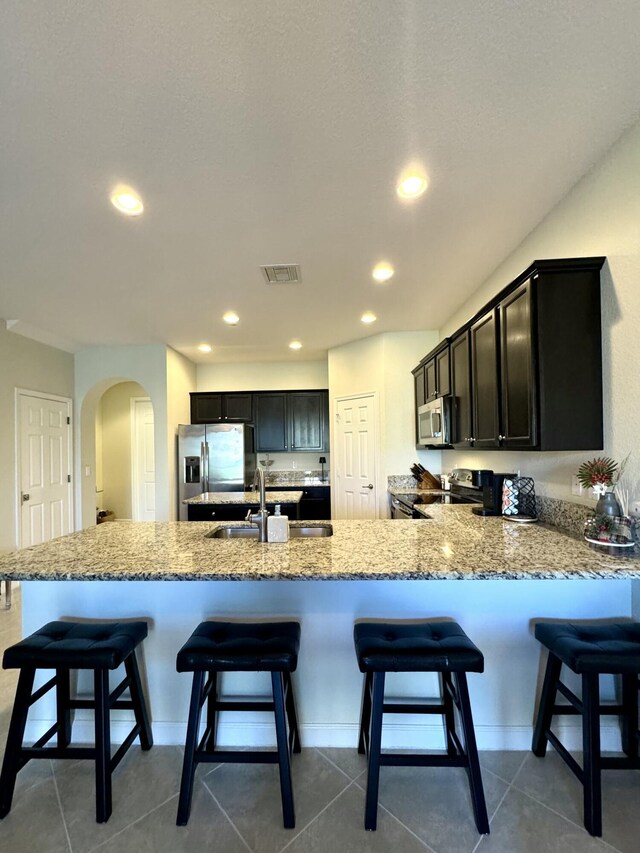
[{"x": 118, "y": 453}]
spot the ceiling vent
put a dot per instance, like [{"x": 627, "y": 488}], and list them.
[{"x": 282, "y": 273}]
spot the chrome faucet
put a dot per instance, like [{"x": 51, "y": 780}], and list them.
[{"x": 259, "y": 518}]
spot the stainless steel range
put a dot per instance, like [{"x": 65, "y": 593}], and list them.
[{"x": 466, "y": 488}]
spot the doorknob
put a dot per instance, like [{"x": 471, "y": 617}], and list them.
[
  {"x": 370, "y": 486},
  {"x": 25, "y": 496}
]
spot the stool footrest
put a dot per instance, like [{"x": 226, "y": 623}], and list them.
[
  {"x": 407, "y": 759},
  {"x": 80, "y": 752},
  {"x": 418, "y": 708},
  {"x": 226, "y": 705},
  {"x": 236, "y": 757}
]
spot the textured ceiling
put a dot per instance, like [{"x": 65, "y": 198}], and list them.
[{"x": 274, "y": 132}]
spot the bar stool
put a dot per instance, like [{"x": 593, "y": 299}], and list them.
[
  {"x": 216, "y": 647},
  {"x": 64, "y": 646},
  {"x": 590, "y": 651},
  {"x": 441, "y": 647}
]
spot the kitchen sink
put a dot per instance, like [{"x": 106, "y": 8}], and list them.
[{"x": 303, "y": 531}]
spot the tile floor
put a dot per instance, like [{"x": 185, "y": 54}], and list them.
[{"x": 534, "y": 804}]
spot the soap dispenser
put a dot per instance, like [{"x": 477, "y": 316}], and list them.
[{"x": 277, "y": 526}]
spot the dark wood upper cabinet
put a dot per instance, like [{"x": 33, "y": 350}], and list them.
[
  {"x": 292, "y": 421},
  {"x": 272, "y": 432},
  {"x": 308, "y": 416},
  {"x": 518, "y": 403},
  {"x": 526, "y": 371},
  {"x": 461, "y": 408},
  {"x": 419, "y": 386},
  {"x": 443, "y": 373},
  {"x": 430, "y": 387},
  {"x": 485, "y": 382},
  {"x": 209, "y": 408}
]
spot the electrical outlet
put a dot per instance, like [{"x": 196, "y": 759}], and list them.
[
  {"x": 576, "y": 488},
  {"x": 293, "y": 466}
]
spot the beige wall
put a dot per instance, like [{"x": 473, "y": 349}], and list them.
[
  {"x": 601, "y": 216},
  {"x": 382, "y": 364},
  {"x": 274, "y": 376},
  {"x": 116, "y": 447},
  {"x": 34, "y": 367}
]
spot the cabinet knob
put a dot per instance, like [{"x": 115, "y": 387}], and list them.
[{"x": 501, "y": 437}]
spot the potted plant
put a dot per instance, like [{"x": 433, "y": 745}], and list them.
[{"x": 601, "y": 474}]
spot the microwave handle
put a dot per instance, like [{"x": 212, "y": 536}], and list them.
[{"x": 436, "y": 423}]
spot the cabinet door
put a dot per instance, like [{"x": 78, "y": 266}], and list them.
[
  {"x": 431, "y": 391},
  {"x": 461, "y": 435},
  {"x": 238, "y": 407},
  {"x": 307, "y": 416},
  {"x": 271, "y": 422},
  {"x": 418, "y": 386},
  {"x": 206, "y": 408},
  {"x": 484, "y": 381},
  {"x": 519, "y": 420},
  {"x": 443, "y": 373}
]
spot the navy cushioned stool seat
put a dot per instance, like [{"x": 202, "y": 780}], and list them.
[
  {"x": 589, "y": 651},
  {"x": 63, "y": 646},
  {"x": 216, "y": 647},
  {"x": 440, "y": 647}
]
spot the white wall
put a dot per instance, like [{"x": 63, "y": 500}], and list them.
[
  {"x": 601, "y": 216},
  {"x": 34, "y": 367},
  {"x": 181, "y": 380},
  {"x": 382, "y": 364},
  {"x": 273, "y": 376}
]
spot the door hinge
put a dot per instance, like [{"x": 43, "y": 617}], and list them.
[
  {"x": 68, "y": 420},
  {"x": 68, "y": 478}
]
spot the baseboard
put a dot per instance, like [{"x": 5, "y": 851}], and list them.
[{"x": 399, "y": 736}]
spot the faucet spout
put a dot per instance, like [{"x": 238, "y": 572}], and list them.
[{"x": 260, "y": 518}]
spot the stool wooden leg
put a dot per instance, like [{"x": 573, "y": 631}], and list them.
[
  {"x": 11, "y": 763},
  {"x": 545, "y": 709},
  {"x": 375, "y": 740},
  {"x": 473, "y": 770},
  {"x": 189, "y": 763},
  {"x": 210, "y": 743},
  {"x": 365, "y": 713},
  {"x": 103, "y": 745},
  {"x": 591, "y": 753},
  {"x": 449, "y": 714},
  {"x": 630, "y": 716},
  {"x": 284, "y": 761},
  {"x": 63, "y": 711},
  {"x": 292, "y": 717},
  {"x": 139, "y": 704}
]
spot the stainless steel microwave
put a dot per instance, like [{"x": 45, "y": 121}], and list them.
[{"x": 433, "y": 423}]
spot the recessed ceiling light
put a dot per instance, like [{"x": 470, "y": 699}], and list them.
[
  {"x": 295, "y": 345},
  {"x": 127, "y": 201},
  {"x": 368, "y": 317},
  {"x": 231, "y": 318},
  {"x": 204, "y": 348},
  {"x": 412, "y": 186},
  {"x": 383, "y": 271}
]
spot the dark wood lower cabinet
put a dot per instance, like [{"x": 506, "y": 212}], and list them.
[
  {"x": 315, "y": 503},
  {"x": 235, "y": 512}
]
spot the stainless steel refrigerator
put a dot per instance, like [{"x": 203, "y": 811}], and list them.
[{"x": 214, "y": 458}]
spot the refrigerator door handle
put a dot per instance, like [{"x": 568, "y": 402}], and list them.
[
  {"x": 203, "y": 469},
  {"x": 206, "y": 456}
]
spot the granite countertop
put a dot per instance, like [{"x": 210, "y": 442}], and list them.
[
  {"x": 249, "y": 498},
  {"x": 453, "y": 545}
]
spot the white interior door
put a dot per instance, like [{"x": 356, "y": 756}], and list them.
[
  {"x": 143, "y": 460},
  {"x": 356, "y": 493},
  {"x": 44, "y": 458}
]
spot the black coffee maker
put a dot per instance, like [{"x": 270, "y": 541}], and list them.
[{"x": 491, "y": 493}]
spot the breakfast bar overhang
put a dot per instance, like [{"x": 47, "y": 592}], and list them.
[{"x": 493, "y": 577}]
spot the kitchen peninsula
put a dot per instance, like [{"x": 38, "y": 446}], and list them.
[{"x": 506, "y": 575}]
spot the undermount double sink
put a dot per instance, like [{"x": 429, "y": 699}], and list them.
[{"x": 303, "y": 531}]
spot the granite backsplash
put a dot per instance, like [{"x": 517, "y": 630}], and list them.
[{"x": 566, "y": 515}]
